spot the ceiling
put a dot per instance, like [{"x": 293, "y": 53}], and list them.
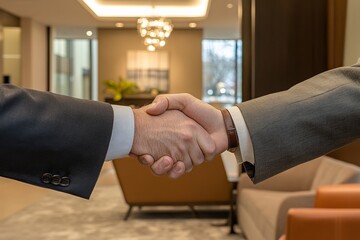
[{"x": 221, "y": 22}]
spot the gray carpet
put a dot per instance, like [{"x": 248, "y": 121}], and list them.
[{"x": 64, "y": 217}]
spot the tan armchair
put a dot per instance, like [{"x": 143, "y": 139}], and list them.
[
  {"x": 263, "y": 208},
  {"x": 206, "y": 184}
]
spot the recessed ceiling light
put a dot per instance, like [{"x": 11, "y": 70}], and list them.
[
  {"x": 192, "y": 25},
  {"x": 198, "y": 8},
  {"x": 229, "y": 5},
  {"x": 89, "y": 33},
  {"x": 119, "y": 24}
]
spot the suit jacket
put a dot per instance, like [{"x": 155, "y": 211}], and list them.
[
  {"x": 304, "y": 122},
  {"x": 53, "y": 141}
]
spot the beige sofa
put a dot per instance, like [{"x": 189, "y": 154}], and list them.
[{"x": 262, "y": 208}]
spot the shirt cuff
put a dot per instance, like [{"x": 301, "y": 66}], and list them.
[
  {"x": 245, "y": 151},
  {"x": 122, "y": 135}
]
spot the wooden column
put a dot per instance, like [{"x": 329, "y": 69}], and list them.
[{"x": 336, "y": 32}]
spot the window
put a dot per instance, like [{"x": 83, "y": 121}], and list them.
[
  {"x": 222, "y": 71},
  {"x": 74, "y": 58}
]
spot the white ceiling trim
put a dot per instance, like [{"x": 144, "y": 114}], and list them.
[{"x": 198, "y": 9}]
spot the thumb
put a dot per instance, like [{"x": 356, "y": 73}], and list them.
[{"x": 159, "y": 105}]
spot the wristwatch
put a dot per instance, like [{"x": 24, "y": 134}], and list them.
[{"x": 233, "y": 141}]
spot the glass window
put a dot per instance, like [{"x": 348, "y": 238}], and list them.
[
  {"x": 222, "y": 71},
  {"x": 74, "y": 64},
  {"x": 72, "y": 72}
]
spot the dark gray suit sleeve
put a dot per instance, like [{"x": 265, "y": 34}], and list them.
[
  {"x": 310, "y": 119},
  {"x": 53, "y": 141}
]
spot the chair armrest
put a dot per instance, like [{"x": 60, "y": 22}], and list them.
[
  {"x": 303, "y": 199},
  {"x": 298, "y": 178},
  {"x": 338, "y": 196},
  {"x": 323, "y": 224},
  {"x": 282, "y": 182}
]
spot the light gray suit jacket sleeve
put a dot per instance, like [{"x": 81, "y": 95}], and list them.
[
  {"x": 53, "y": 141},
  {"x": 310, "y": 119}
]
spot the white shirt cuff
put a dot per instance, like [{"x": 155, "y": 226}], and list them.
[
  {"x": 122, "y": 135},
  {"x": 245, "y": 151}
]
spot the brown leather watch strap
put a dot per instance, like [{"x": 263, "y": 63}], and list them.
[{"x": 233, "y": 141}]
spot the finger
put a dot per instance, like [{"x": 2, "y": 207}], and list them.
[
  {"x": 179, "y": 101},
  {"x": 206, "y": 144},
  {"x": 192, "y": 107},
  {"x": 159, "y": 105},
  {"x": 187, "y": 162},
  {"x": 170, "y": 102},
  {"x": 162, "y": 166},
  {"x": 146, "y": 159},
  {"x": 177, "y": 170},
  {"x": 132, "y": 155},
  {"x": 196, "y": 154}
]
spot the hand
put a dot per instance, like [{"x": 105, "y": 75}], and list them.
[
  {"x": 207, "y": 116},
  {"x": 171, "y": 134},
  {"x": 204, "y": 114}
]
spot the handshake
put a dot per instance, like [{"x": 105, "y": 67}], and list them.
[{"x": 176, "y": 132}]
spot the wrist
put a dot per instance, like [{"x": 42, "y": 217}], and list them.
[{"x": 137, "y": 142}]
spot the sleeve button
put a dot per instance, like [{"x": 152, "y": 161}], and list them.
[
  {"x": 65, "y": 182},
  {"x": 56, "y": 180},
  {"x": 46, "y": 178}
]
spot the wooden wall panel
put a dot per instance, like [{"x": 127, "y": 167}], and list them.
[
  {"x": 336, "y": 22},
  {"x": 288, "y": 41}
]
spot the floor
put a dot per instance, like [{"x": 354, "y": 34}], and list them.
[
  {"x": 96, "y": 214},
  {"x": 16, "y": 195}
]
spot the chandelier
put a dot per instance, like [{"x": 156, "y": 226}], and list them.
[{"x": 154, "y": 31}]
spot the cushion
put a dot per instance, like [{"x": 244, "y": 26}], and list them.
[
  {"x": 265, "y": 211},
  {"x": 332, "y": 171}
]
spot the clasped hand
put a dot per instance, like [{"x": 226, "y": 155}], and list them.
[{"x": 176, "y": 132}]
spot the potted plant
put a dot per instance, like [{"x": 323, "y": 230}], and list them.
[{"x": 118, "y": 88}]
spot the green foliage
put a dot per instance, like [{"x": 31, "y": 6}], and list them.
[{"x": 118, "y": 88}]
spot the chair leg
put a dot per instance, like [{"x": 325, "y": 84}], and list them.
[
  {"x": 232, "y": 218},
  {"x": 196, "y": 215},
  {"x": 232, "y": 213},
  {"x": 127, "y": 215}
]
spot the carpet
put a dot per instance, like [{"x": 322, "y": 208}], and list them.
[{"x": 61, "y": 216}]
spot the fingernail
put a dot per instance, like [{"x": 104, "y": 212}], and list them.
[
  {"x": 144, "y": 161},
  {"x": 178, "y": 168},
  {"x": 165, "y": 164}
]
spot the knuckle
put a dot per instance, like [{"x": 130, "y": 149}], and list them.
[
  {"x": 210, "y": 152},
  {"x": 181, "y": 149},
  {"x": 187, "y": 136},
  {"x": 212, "y": 149}
]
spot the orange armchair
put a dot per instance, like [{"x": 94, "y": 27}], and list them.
[
  {"x": 205, "y": 185},
  {"x": 336, "y": 215}
]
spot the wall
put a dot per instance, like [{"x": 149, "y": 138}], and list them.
[
  {"x": 184, "y": 47},
  {"x": 352, "y": 34},
  {"x": 351, "y": 152},
  {"x": 34, "y": 55}
]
